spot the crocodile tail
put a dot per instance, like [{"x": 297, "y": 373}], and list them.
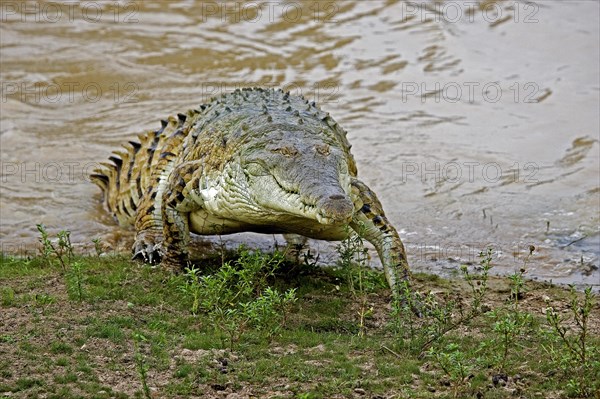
[
  {"x": 130, "y": 174},
  {"x": 115, "y": 181}
]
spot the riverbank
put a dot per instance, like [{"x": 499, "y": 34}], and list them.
[{"x": 105, "y": 327}]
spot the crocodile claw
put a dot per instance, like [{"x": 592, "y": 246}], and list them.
[{"x": 148, "y": 252}]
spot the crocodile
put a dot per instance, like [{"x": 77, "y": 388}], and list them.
[{"x": 260, "y": 160}]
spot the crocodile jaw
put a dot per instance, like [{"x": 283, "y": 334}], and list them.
[
  {"x": 328, "y": 204},
  {"x": 262, "y": 200}
]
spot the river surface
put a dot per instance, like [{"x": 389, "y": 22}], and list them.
[{"x": 477, "y": 123}]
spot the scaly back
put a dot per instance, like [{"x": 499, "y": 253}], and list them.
[{"x": 131, "y": 173}]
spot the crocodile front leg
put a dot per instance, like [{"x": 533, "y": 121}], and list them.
[
  {"x": 177, "y": 203},
  {"x": 370, "y": 222},
  {"x": 295, "y": 244},
  {"x": 148, "y": 226}
]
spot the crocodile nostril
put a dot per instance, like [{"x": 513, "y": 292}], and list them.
[{"x": 336, "y": 197}]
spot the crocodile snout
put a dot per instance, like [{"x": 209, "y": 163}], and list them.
[{"x": 334, "y": 209}]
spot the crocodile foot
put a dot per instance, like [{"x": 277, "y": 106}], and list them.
[{"x": 147, "y": 248}]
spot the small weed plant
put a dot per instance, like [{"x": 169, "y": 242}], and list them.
[
  {"x": 97, "y": 247},
  {"x": 508, "y": 326},
  {"x": 455, "y": 364},
  {"x": 61, "y": 249},
  {"x": 353, "y": 261},
  {"x": 75, "y": 281},
  {"x": 509, "y": 323},
  {"x": 441, "y": 315},
  {"x": 140, "y": 363},
  {"x": 478, "y": 282},
  {"x": 237, "y": 296},
  {"x": 567, "y": 344}
]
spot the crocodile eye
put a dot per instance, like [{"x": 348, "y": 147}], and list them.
[
  {"x": 323, "y": 149},
  {"x": 287, "y": 151}
]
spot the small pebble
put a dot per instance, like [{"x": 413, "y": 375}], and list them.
[{"x": 500, "y": 379}]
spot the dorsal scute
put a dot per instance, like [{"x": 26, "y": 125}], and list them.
[{"x": 246, "y": 106}]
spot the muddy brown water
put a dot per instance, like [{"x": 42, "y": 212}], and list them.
[{"x": 477, "y": 123}]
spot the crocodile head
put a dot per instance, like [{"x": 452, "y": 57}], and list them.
[{"x": 301, "y": 178}]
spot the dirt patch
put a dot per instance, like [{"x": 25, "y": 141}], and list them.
[{"x": 49, "y": 342}]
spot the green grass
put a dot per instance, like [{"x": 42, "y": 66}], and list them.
[{"x": 60, "y": 346}]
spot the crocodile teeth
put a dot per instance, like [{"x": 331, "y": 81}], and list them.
[{"x": 324, "y": 220}]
